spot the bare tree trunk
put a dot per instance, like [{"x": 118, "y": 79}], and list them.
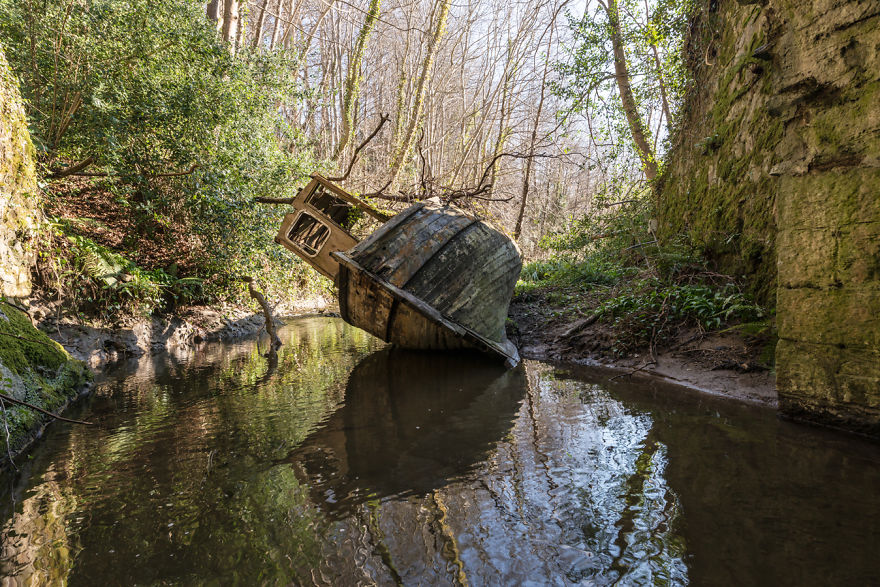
[
  {"x": 290, "y": 30},
  {"x": 527, "y": 176},
  {"x": 241, "y": 33},
  {"x": 406, "y": 144},
  {"x": 633, "y": 119},
  {"x": 314, "y": 30},
  {"x": 261, "y": 22},
  {"x": 230, "y": 23},
  {"x": 213, "y": 11},
  {"x": 276, "y": 26},
  {"x": 659, "y": 65}
]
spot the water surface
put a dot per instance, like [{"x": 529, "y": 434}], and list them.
[{"x": 345, "y": 462}]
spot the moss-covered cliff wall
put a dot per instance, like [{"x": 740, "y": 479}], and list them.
[
  {"x": 776, "y": 171},
  {"x": 18, "y": 189},
  {"x": 33, "y": 368}
]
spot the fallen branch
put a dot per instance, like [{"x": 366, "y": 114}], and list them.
[
  {"x": 8, "y": 398},
  {"x": 581, "y": 324},
  {"x": 24, "y": 338},
  {"x": 71, "y": 169},
  {"x": 634, "y": 371},
  {"x": 21, "y": 309},
  {"x": 192, "y": 168},
  {"x": 267, "y": 200},
  {"x": 267, "y": 314},
  {"x": 640, "y": 245}
]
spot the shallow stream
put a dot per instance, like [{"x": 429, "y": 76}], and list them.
[{"x": 345, "y": 462}]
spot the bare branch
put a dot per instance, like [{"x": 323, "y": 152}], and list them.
[
  {"x": 279, "y": 201},
  {"x": 267, "y": 314},
  {"x": 72, "y": 169},
  {"x": 384, "y": 118},
  {"x": 192, "y": 168},
  {"x": 41, "y": 410}
]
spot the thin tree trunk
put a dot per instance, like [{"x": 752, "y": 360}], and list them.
[
  {"x": 241, "y": 33},
  {"x": 214, "y": 13},
  {"x": 261, "y": 22},
  {"x": 406, "y": 144},
  {"x": 527, "y": 176},
  {"x": 633, "y": 119},
  {"x": 353, "y": 79},
  {"x": 314, "y": 30},
  {"x": 276, "y": 26},
  {"x": 290, "y": 30},
  {"x": 659, "y": 66},
  {"x": 662, "y": 82}
]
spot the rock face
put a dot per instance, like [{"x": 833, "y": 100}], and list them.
[
  {"x": 18, "y": 188},
  {"x": 33, "y": 368},
  {"x": 776, "y": 170}
]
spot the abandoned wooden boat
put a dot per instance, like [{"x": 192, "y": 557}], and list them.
[{"x": 431, "y": 277}]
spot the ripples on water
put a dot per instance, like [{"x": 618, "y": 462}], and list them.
[{"x": 346, "y": 463}]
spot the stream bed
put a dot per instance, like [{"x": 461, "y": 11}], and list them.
[{"x": 346, "y": 462}]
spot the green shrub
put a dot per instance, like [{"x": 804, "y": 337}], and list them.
[
  {"x": 649, "y": 311},
  {"x": 183, "y": 134}
]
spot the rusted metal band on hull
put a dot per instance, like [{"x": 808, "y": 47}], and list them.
[{"x": 342, "y": 285}]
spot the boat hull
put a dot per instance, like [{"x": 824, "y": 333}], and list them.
[{"x": 395, "y": 315}]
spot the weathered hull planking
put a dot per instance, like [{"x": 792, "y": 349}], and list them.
[{"x": 431, "y": 277}]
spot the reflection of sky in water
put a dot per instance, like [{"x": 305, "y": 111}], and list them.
[
  {"x": 340, "y": 465},
  {"x": 573, "y": 493}
]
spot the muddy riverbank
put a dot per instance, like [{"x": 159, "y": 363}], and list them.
[
  {"x": 57, "y": 383},
  {"x": 731, "y": 364},
  {"x": 99, "y": 343}
]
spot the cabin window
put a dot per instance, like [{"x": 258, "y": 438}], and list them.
[
  {"x": 337, "y": 209},
  {"x": 308, "y": 233}
]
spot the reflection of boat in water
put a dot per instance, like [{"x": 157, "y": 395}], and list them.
[
  {"x": 411, "y": 422},
  {"x": 431, "y": 277}
]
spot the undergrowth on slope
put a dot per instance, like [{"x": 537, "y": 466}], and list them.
[{"x": 612, "y": 266}]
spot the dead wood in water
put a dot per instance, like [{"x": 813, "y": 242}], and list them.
[
  {"x": 267, "y": 314},
  {"x": 8, "y": 398}
]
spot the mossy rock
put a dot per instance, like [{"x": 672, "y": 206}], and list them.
[{"x": 35, "y": 369}]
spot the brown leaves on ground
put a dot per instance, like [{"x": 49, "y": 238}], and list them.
[{"x": 163, "y": 239}]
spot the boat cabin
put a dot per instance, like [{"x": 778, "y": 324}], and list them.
[{"x": 324, "y": 213}]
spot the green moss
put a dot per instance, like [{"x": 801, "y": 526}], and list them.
[
  {"x": 24, "y": 347},
  {"x": 42, "y": 373}
]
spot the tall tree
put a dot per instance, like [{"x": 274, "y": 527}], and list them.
[
  {"x": 527, "y": 175},
  {"x": 624, "y": 86},
  {"x": 406, "y": 143},
  {"x": 353, "y": 77},
  {"x": 231, "y": 15},
  {"x": 261, "y": 22}
]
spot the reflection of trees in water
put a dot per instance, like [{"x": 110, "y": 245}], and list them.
[
  {"x": 169, "y": 470},
  {"x": 422, "y": 468},
  {"x": 574, "y": 491},
  {"x": 413, "y": 469},
  {"x": 37, "y": 546}
]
